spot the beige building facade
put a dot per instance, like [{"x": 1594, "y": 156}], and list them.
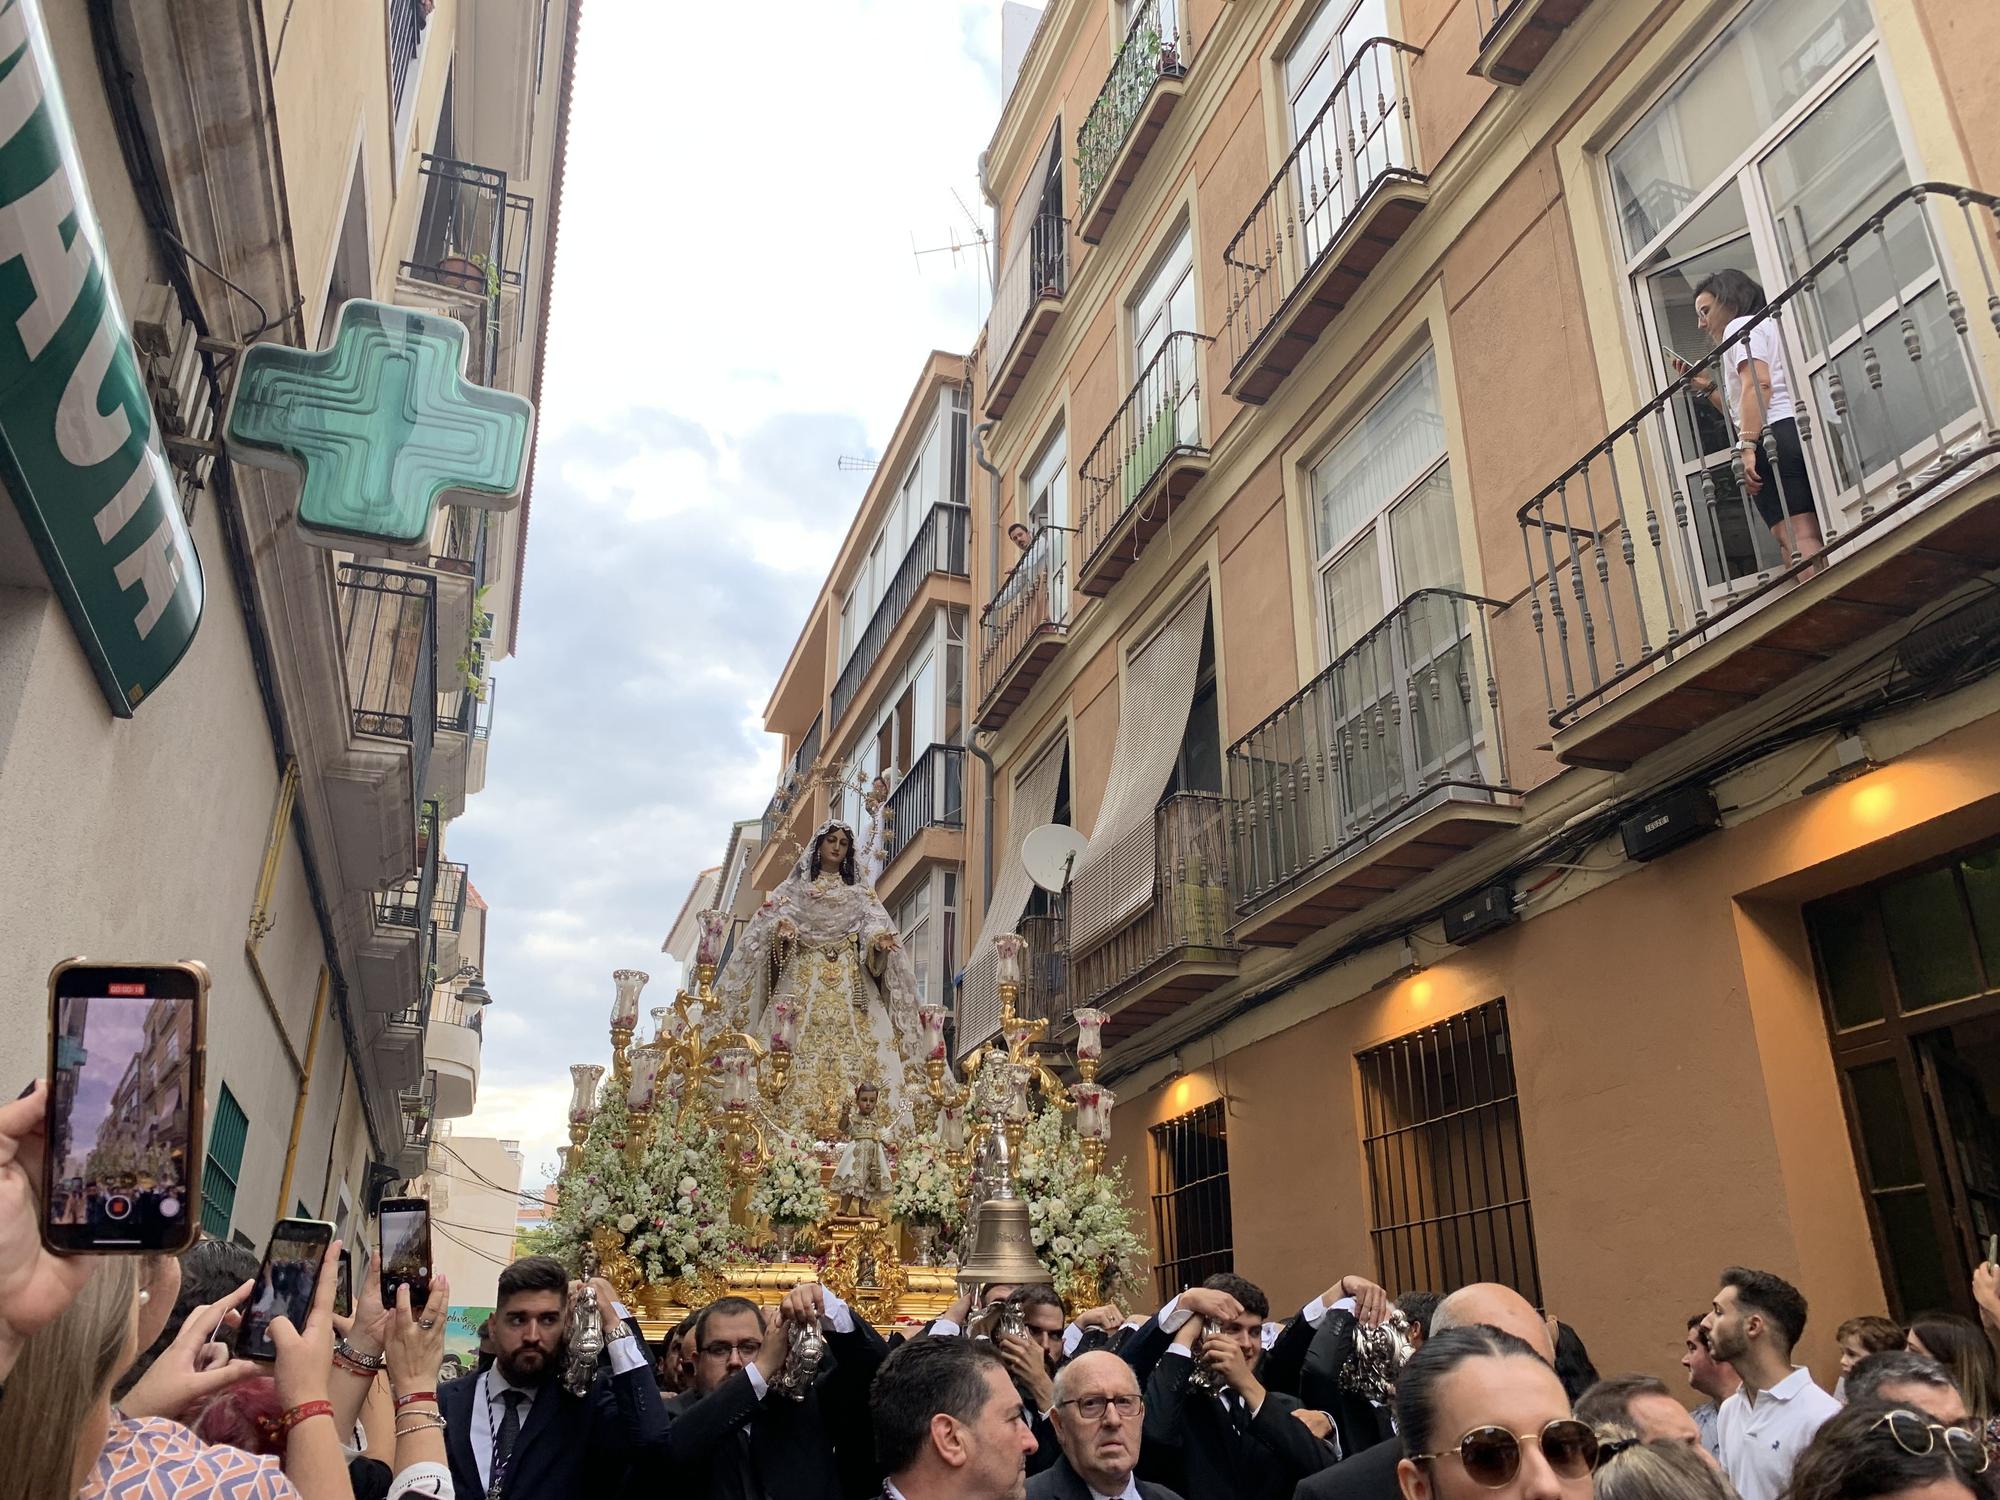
[
  {"x": 1509, "y": 854},
  {"x": 279, "y": 806}
]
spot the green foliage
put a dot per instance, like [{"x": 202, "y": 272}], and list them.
[{"x": 1080, "y": 1224}]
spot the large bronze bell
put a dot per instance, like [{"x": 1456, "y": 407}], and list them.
[{"x": 1003, "y": 1249}]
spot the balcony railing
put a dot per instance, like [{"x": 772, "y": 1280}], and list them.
[
  {"x": 1024, "y": 624},
  {"x": 472, "y": 238},
  {"x": 1045, "y": 976},
  {"x": 1301, "y": 253},
  {"x": 1190, "y": 907},
  {"x": 448, "y": 904},
  {"x": 792, "y": 785},
  {"x": 464, "y": 546},
  {"x": 1653, "y": 542},
  {"x": 938, "y": 547},
  {"x": 1030, "y": 287},
  {"x": 388, "y": 637},
  {"x": 1404, "y": 719},
  {"x": 457, "y": 703},
  {"x": 406, "y": 41},
  {"x": 932, "y": 795},
  {"x": 419, "y": 1106},
  {"x": 1127, "y": 474},
  {"x": 411, "y": 902},
  {"x": 1155, "y": 47}
]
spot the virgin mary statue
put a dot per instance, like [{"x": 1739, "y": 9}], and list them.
[{"x": 823, "y": 944}]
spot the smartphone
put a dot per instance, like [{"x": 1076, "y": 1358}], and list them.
[
  {"x": 1993, "y": 1249},
  {"x": 286, "y": 1284},
  {"x": 406, "y": 1249},
  {"x": 343, "y": 1289},
  {"x": 122, "y": 1167}
]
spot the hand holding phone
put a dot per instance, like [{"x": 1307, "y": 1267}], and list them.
[
  {"x": 1993, "y": 1250},
  {"x": 305, "y": 1347},
  {"x": 35, "y": 1284},
  {"x": 287, "y": 1284},
  {"x": 189, "y": 1370},
  {"x": 406, "y": 1249}
]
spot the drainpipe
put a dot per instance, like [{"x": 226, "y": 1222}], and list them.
[{"x": 992, "y": 587}]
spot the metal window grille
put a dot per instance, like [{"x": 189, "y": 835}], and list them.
[
  {"x": 1447, "y": 1180},
  {"x": 227, "y": 1135},
  {"x": 1191, "y": 1198}
]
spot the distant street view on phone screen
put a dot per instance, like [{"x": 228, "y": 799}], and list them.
[
  {"x": 285, "y": 1287},
  {"x": 119, "y": 1131},
  {"x": 406, "y": 1249}
]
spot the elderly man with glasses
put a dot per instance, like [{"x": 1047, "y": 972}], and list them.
[{"x": 1099, "y": 1416}]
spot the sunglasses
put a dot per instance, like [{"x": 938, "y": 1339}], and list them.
[
  {"x": 1914, "y": 1435},
  {"x": 1492, "y": 1455}
]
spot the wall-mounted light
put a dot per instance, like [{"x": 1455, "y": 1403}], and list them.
[{"x": 1850, "y": 760}]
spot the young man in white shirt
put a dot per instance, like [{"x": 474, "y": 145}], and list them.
[{"x": 1752, "y": 1326}]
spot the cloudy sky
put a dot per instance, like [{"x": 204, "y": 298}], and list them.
[{"x": 736, "y": 306}]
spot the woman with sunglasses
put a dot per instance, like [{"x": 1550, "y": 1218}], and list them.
[
  {"x": 1483, "y": 1417},
  {"x": 1874, "y": 1450}
]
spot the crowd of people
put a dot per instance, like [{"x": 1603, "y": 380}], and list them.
[{"x": 117, "y": 1378}]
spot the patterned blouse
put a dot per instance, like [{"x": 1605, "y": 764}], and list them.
[{"x": 153, "y": 1457}]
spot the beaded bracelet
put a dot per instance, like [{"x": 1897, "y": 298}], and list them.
[
  {"x": 369, "y": 1362},
  {"x": 304, "y": 1411},
  {"x": 421, "y": 1424},
  {"x": 414, "y": 1397}
]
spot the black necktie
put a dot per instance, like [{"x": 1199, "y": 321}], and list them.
[
  {"x": 503, "y": 1441},
  {"x": 753, "y": 1487}
]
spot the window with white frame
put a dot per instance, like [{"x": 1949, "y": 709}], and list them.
[
  {"x": 1386, "y": 527},
  {"x": 1168, "y": 393},
  {"x": 921, "y": 706},
  {"x": 1780, "y": 138},
  {"x": 933, "y": 477},
  {"x": 913, "y": 921},
  {"x": 1323, "y": 116}
]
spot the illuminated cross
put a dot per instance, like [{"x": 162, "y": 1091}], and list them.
[{"x": 382, "y": 426}]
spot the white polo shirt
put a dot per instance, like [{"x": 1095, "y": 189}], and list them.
[{"x": 1759, "y": 1444}]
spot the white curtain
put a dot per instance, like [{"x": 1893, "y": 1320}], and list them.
[{"x": 1033, "y": 804}]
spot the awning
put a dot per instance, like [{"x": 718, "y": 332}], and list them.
[
  {"x": 1033, "y": 804},
  {"x": 1114, "y": 876}
]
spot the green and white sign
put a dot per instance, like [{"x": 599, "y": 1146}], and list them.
[
  {"x": 381, "y": 426},
  {"x": 79, "y": 451}
]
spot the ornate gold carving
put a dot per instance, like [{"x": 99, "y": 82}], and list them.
[
  {"x": 865, "y": 1269},
  {"x": 618, "y": 1268}
]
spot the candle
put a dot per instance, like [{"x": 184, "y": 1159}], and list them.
[
  {"x": 930, "y": 1021},
  {"x": 1009, "y": 948},
  {"x": 951, "y": 1126},
  {"x": 625, "y": 1003},
  {"x": 583, "y": 1091},
  {"x": 1093, "y": 1111},
  {"x": 1089, "y": 1032},
  {"x": 712, "y": 925},
  {"x": 645, "y": 1077},
  {"x": 784, "y": 1025},
  {"x": 659, "y": 1023},
  {"x": 734, "y": 1063}
]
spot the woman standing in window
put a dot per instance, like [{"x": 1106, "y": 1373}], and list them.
[{"x": 1759, "y": 401}]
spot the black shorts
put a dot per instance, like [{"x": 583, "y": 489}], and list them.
[{"x": 1790, "y": 494}]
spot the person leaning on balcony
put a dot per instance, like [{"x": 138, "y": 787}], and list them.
[
  {"x": 1758, "y": 386},
  {"x": 1020, "y": 536}
]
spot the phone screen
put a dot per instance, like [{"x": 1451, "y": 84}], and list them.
[
  {"x": 124, "y": 1101},
  {"x": 285, "y": 1286},
  {"x": 406, "y": 1249},
  {"x": 343, "y": 1289}
]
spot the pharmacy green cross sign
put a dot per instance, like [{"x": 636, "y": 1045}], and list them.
[{"x": 381, "y": 426}]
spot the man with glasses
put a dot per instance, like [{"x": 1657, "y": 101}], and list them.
[
  {"x": 1099, "y": 1416},
  {"x": 1752, "y": 1325},
  {"x": 732, "y": 1439},
  {"x": 1900, "y": 1378}
]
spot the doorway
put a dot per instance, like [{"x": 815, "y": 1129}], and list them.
[{"x": 1909, "y": 977}]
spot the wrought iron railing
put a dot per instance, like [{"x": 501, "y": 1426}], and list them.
[
  {"x": 1656, "y": 535},
  {"x": 482, "y": 713},
  {"x": 406, "y": 40},
  {"x": 1406, "y": 717},
  {"x": 1045, "y": 973},
  {"x": 1159, "y": 420},
  {"x": 458, "y": 700},
  {"x": 793, "y": 785},
  {"x": 1361, "y": 137},
  {"x": 388, "y": 640},
  {"x": 1154, "y": 47},
  {"x": 448, "y": 903},
  {"x": 931, "y": 795},
  {"x": 1190, "y": 906},
  {"x": 1033, "y": 602},
  {"x": 472, "y": 237},
  {"x": 411, "y": 902},
  {"x": 448, "y": 1007},
  {"x": 1039, "y": 270},
  {"x": 938, "y": 547},
  {"x": 419, "y": 1106}
]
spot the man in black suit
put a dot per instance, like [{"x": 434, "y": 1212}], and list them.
[
  {"x": 733, "y": 1439},
  {"x": 1099, "y": 1417},
  {"x": 1355, "y": 1303},
  {"x": 513, "y": 1432},
  {"x": 948, "y": 1423},
  {"x": 1242, "y": 1442}
]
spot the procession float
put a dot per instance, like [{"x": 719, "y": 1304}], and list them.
[{"x": 794, "y": 1115}]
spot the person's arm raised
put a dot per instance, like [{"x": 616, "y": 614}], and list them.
[
  {"x": 414, "y": 1344},
  {"x": 313, "y": 1459},
  {"x": 35, "y": 1286}
]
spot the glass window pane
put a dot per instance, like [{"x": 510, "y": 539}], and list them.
[
  {"x": 1916, "y": 1259},
  {"x": 1916, "y": 399},
  {"x": 1737, "y": 88},
  {"x": 1399, "y": 438},
  {"x": 1930, "y": 941},
  {"x": 1881, "y": 1115},
  {"x": 1423, "y": 533},
  {"x": 1850, "y": 959},
  {"x": 1353, "y": 595},
  {"x": 1982, "y": 890}
]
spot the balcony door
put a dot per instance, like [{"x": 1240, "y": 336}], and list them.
[
  {"x": 1047, "y": 488},
  {"x": 1342, "y": 146},
  {"x": 1167, "y": 393},
  {"x": 1779, "y": 141},
  {"x": 1387, "y": 526}
]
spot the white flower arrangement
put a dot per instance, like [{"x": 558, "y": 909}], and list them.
[
  {"x": 688, "y": 1228},
  {"x": 1081, "y": 1225},
  {"x": 926, "y": 1188},
  {"x": 789, "y": 1190}
]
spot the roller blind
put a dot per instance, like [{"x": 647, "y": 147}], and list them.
[
  {"x": 1114, "y": 877},
  {"x": 1034, "y": 803}
]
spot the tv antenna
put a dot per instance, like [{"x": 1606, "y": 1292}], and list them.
[
  {"x": 847, "y": 463},
  {"x": 1050, "y": 853},
  {"x": 959, "y": 243}
]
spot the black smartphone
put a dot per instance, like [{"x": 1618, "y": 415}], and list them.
[
  {"x": 343, "y": 1289},
  {"x": 406, "y": 1249},
  {"x": 286, "y": 1285},
  {"x": 122, "y": 1169}
]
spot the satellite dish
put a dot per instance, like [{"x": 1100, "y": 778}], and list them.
[{"x": 1050, "y": 853}]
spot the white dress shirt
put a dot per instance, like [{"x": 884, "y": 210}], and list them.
[
  {"x": 489, "y": 1409},
  {"x": 1760, "y": 1443}
]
